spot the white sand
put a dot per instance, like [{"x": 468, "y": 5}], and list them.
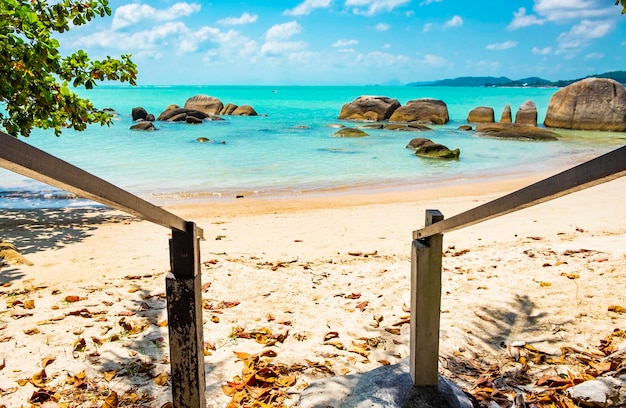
[{"x": 293, "y": 266}]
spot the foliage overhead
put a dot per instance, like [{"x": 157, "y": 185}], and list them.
[
  {"x": 623, "y": 2},
  {"x": 35, "y": 80}
]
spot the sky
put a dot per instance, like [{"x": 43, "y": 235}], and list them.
[{"x": 356, "y": 42}]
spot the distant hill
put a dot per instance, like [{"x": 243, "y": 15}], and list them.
[{"x": 487, "y": 81}]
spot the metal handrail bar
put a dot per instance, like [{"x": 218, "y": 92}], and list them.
[
  {"x": 27, "y": 160},
  {"x": 605, "y": 168}
]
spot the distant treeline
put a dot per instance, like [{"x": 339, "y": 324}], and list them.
[{"x": 619, "y": 76}]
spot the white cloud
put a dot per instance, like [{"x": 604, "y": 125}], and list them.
[
  {"x": 131, "y": 14},
  {"x": 427, "y": 2},
  {"x": 561, "y": 10},
  {"x": 433, "y": 60},
  {"x": 307, "y": 7},
  {"x": 275, "y": 48},
  {"x": 594, "y": 56},
  {"x": 427, "y": 27},
  {"x": 379, "y": 59},
  {"x": 345, "y": 43},
  {"x": 386, "y": 46},
  {"x": 371, "y": 7},
  {"x": 521, "y": 19},
  {"x": 283, "y": 31},
  {"x": 502, "y": 46},
  {"x": 455, "y": 21},
  {"x": 381, "y": 27},
  {"x": 245, "y": 18},
  {"x": 581, "y": 34},
  {"x": 542, "y": 51}
]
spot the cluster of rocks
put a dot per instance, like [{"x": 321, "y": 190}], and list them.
[
  {"x": 196, "y": 110},
  {"x": 589, "y": 104}
]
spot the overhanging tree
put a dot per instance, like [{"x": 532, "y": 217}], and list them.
[
  {"x": 623, "y": 3},
  {"x": 36, "y": 81}
]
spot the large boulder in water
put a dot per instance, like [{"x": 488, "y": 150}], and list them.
[
  {"x": 139, "y": 113},
  {"x": 180, "y": 114},
  {"x": 514, "y": 131},
  {"x": 425, "y": 110},
  {"x": 589, "y": 104},
  {"x": 244, "y": 110},
  {"x": 143, "y": 125},
  {"x": 204, "y": 103},
  {"x": 481, "y": 114},
  {"x": 369, "y": 108},
  {"x": 527, "y": 114}
]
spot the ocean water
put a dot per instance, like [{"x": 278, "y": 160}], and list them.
[{"x": 289, "y": 149}]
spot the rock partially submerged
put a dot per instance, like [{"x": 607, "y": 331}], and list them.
[
  {"x": 144, "y": 125},
  {"x": 425, "y": 111},
  {"x": 481, "y": 114},
  {"x": 429, "y": 149},
  {"x": 369, "y": 108},
  {"x": 515, "y": 131},
  {"x": 350, "y": 132}
]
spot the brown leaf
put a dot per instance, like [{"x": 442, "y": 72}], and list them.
[
  {"x": 29, "y": 304},
  {"x": 331, "y": 335},
  {"x": 353, "y": 296},
  {"x": 161, "y": 379},
  {"x": 336, "y": 345},
  {"x": 111, "y": 401},
  {"x": 361, "y": 306},
  {"x": 47, "y": 361},
  {"x": 393, "y": 331},
  {"x": 617, "y": 309},
  {"x": 72, "y": 299},
  {"x": 110, "y": 375},
  {"x": 39, "y": 379},
  {"x": 32, "y": 331}
]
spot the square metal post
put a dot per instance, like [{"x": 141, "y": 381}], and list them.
[
  {"x": 426, "y": 264},
  {"x": 184, "y": 310}
]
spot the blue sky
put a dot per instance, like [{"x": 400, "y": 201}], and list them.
[{"x": 356, "y": 42}]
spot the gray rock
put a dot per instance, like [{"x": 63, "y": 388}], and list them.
[
  {"x": 601, "y": 392},
  {"x": 384, "y": 387}
]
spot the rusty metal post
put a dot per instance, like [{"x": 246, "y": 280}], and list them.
[{"x": 184, "y": 311}]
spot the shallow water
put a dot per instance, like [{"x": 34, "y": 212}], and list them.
[{"x": 290, "y": 148}]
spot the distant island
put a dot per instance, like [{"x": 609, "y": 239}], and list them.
[{"x": 531, "y": 82}]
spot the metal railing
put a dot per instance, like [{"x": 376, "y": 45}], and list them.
[
  {"x": 427, "y": 245},
  {"x": 183, "y": 286}
]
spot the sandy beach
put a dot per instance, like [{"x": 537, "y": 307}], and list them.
[{"x": 322, "y": 281}]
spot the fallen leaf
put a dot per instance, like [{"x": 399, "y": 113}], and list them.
[
  {"x": 361, "y": 306},
  {"x": 393, "y": 331},
  {"x": 109, "y": 375},
  {"x": 47, "y": 361},
  {"x": 32, "y": 331},
  {"x": 72, "y": 299},
  {"x": 331, "y": 335},
  {"x": 111, "y": 401},
  {"x": 617, "y": 309},
  {"x": 29, "y": 304},
  {"x": 161, "y": 379}
]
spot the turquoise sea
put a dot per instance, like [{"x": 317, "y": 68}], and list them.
[{"x": 289, "y": 149}]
